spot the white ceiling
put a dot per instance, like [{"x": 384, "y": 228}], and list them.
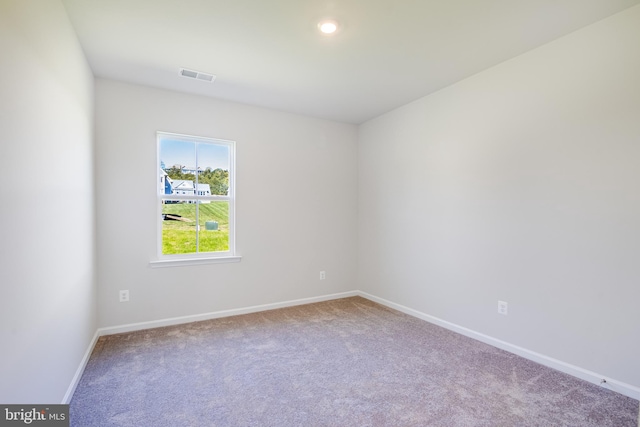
[{"x": 269, "y": 52}]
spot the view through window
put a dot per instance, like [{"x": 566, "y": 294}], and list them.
[{"x": 195, "y": 195}]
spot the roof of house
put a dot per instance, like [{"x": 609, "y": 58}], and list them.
[{"x": 183, "y": 185}]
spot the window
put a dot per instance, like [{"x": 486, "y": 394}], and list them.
[{"x": 195, "y": 197}]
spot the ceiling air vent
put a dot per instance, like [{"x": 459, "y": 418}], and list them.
[{"x": 197, "y": 75}]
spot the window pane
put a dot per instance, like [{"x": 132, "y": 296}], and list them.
[
  {"x": 213, "y": 168},
  {"x": 200, "y": 169},
  {"x": 177, "y": 166},
  {"x": 214, "y": 226},
  {"x": 178, "y": 227}
]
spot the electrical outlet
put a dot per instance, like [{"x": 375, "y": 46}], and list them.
[
  {"x": 322, "y": 275},
  {"x": 502, "y": 308},
  {"x": 124, "y": 296}
]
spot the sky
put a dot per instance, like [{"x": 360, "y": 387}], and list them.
[{"x": 174, "y": 150}]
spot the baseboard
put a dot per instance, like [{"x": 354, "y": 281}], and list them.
[
  {"x": 187, "y": 319},
  {"x": 592, "y": 377},
  {"x": 83, "y": 363},
  {"x": 584, "y": 374},
  {"x": 217, "y": 314}
]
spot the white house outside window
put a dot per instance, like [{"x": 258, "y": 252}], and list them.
[{"x": 196, "y": 193}]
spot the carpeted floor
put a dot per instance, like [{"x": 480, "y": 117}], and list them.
[{"x": 348, "y": 362}]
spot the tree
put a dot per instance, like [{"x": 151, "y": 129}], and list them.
[
  {"x": 175, "y": 172},
  {"x": 218, "y": 180}
]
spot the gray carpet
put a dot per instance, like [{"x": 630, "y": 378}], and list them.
[{"x": 348, "y": 362}]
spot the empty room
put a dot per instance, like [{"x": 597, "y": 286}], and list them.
[{"x": 320, "y": 213}]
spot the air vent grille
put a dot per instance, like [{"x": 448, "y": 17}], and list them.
[{"x": 198, "y": 75}]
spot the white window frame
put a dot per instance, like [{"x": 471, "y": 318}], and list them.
[{"x": 164, "y": 260}]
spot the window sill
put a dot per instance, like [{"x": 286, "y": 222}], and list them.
[{"x": 183, "y": 262}]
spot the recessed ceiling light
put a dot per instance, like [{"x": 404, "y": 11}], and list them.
[{"x": 328, "y": 27}]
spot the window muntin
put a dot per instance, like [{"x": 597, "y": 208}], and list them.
[{"x": 195, "y": 197}]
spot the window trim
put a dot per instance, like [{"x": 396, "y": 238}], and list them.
[
  {"x": 183, "y": 262},
  {"x": 196, "y": 258}
]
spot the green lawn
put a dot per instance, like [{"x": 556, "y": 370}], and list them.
[{"x": 179, "y": 237}]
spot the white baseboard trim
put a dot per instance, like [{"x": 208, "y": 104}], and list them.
[
  {"x": 187, "y": 319},
  {"x": 217, "y": 314},
  {"x": 584, "y": 374},
  {"x": 83, "y": 364}
]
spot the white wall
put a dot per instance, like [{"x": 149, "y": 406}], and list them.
[
  {"x": 48, "y": 303},
  {"x": 520, "y": 183},
  {"x": 295, "y": 209}
]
